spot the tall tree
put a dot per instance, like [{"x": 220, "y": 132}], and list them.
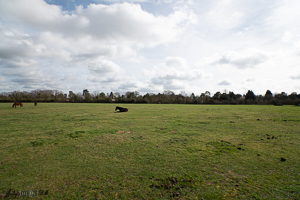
[
  {"x": 16, "y": 95},
  {"x": 117, "y": 95},
  {"x": 136, "y": 94},
  {"x": 129, "y": 95},
  {"x": 72, "y": 96},
  {"x": 217, "y": 95},
  {"x": 268, "y": 95},
  {"x": 102, "y": 95},
  {"x": 168, "y": 92},
  {"x": 207, "y": 93},
  {"x": 111, "y": 95},
  {"x": 293, "y": 96},
  {"x": 224, "y": 96},
  {"x": 232, "y": 95},
  {"x": 281, "y": 96},
  {"x": 250, "y": 95},
  {"x": 86, "y": 94},
  {"x": 192, "y": 96}
]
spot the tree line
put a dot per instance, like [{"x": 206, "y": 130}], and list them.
[{"x": 166, "y": 97}]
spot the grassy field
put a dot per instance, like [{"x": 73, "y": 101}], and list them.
[{"x": 155, "y": 151}]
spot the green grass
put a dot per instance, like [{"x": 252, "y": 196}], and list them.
[{"x": 155, "y": 151}]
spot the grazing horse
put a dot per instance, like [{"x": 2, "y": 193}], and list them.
[
  {"x": 35, "y": 103},
  {"x": 17, "y": 104},
  {"x": 121, "y": 109}
]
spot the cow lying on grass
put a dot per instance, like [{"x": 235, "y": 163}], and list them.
[{"x": 121, "y": 109}]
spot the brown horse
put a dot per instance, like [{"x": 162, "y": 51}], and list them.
[
  {"x": 35, "y": 103},
  {"x": 17, "y": 104}
]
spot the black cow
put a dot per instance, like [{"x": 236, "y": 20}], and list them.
[{"x": 121, "y": 109}]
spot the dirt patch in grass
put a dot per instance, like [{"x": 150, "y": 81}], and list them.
[
  {"x": 225, "y": 146},
  {"x": 173, "y": 185},
  {"x": 172, "y": 132},
  {"x": 175, "y": 140},
  {"x": 120, "y": 132}
]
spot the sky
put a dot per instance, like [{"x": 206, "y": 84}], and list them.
[{"x": 150, "y": 46}]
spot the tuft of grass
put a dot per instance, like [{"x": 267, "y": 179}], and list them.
[
  {"x": 76, "y": 134},
  {"x": 36, "y": 143}
]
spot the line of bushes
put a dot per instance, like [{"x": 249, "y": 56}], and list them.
[{"x": 167, "y": 97}]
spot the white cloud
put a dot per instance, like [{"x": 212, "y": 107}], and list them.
[
  {"x": 120, "y": 45},
  {"x": 225, "y": 82},
  {"x": 86, "y": 36},
  {"x": 174, "y": 74},
  {"x": 104, "y": 79},
  {"x": 295, "y": 77},
  {"x": 30, "y": 77},
  {"x": 284, "y": 14},
  {"x": 250, "y": 79},
  {"x": 125, "y": 23},
  {"x": 121, "y": 1},
  {"x": 137, "y": 59},
  {"x": 71, "y": 77},
  {"x": 4, "y": 84},
  {"x": 105, "y": 71},
  {"x": 27, "y": 11},
  {"x": 242, "y": 60},
  {"x": 15, "y": 46},
  {"x": 176, "y": 62},
  {"x": 104, "y": 67},
  {"x": 132, "y": 85},
  {"x": 287, "y": 36}
]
